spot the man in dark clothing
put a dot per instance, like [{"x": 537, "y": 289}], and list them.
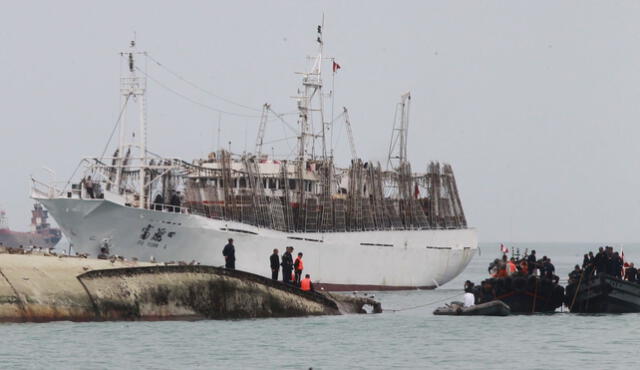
[
  {"x": 275, "y": 264},
  {"x": 600, "y": 261},
  {"x": 287, "y": 265},
  {"x": 158, "y": 202},
  {"x": 551, "y": 269},
  {"x": 574, "y": 276},
  {"x": 175, "y": 202},
  {"x": 615, "y": 265},
  {"x": 543, "y": 267},
  {"x": 631, "y": 274},
  {"x": 588, "y": 264},
  {"x": 531, "y": 262},
  {"x": 229, "y": 253}
]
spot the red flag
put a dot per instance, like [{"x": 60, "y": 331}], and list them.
[
  {"x": 504, "y": 249},
  {"x": 336, "y": 66},
  {"x": 416, "y": 191}
]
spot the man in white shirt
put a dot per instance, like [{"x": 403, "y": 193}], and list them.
[{"x": 469, "y": 298}]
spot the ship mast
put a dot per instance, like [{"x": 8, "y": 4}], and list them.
[
  {"x": 312, "y": 83},
  {"x": 133, "y": 86}
]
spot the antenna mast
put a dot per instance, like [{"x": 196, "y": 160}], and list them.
[
  {"x": 312, "y": 83},
  {"x": 133, "y": 86}
]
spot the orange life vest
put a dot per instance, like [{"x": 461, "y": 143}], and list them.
[
  {"x": 305, "y": 284},
  {"x": 512, "y": 267},
  {"x": 300, "y": 264}
]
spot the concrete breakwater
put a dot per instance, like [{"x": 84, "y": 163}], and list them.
[{"x": 43, "y": 288}]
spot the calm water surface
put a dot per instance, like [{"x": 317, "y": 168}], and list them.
[{"x": 412, "y": 338}]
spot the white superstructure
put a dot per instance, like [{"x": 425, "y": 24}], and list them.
[{"x": 359, "y": 227}]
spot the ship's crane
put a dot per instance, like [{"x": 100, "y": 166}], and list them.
[
  {"x": 352, "y": 145},
  {"x": 398, "y": 145},
  {"x": 263, "y": 124}
]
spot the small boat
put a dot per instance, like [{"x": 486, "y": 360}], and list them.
[
  {"x": 493, "y": 308},
  {"x": 603, "y": 294}
]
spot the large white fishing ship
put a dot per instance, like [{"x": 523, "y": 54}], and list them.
[{"x": 362, "y": 226}]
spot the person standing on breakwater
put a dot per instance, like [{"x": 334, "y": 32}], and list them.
[
  {"x": 287, "y": 265},
  {"x": 275, "y": 264},
  {"x": 298, "y": 266},
  {"x": 229, "y": 253}
]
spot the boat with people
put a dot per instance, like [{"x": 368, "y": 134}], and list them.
[
  {"x": 523, "y": 282},
  {"x": 405, "y": 229},
  {"x": 604, "y": 284}
]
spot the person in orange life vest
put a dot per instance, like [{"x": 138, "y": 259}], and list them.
[
  {"x": 511, "y": 266},
  {"x": 306, "y": 284},
  {"x": 298, "y": 266},
  {"x": 502, "y": 272}
]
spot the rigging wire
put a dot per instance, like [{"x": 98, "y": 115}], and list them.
[
  {"x": 279, "y": 116},
  {"x": 422, "y": 305},
  {"x": 106, "y": 147},
  {"x": 192, "y": 100},
  {"x": 192, "y": 84},
  {"x": 279, "y": 140}
]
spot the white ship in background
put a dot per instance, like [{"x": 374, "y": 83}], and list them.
[{"x": 360, "y": 227}]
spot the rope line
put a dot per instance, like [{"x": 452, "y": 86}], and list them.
[
  {"x": 422, "y": 305},
  {"x": 106, "y": 147}
]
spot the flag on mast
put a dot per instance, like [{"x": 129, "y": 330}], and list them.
[{"x": 336, "y": 66}]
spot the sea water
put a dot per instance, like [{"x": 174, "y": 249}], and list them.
[{"x": 409, "y": 337}]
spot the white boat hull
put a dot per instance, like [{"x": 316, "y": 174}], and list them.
[{"x": 403, "y": 259}]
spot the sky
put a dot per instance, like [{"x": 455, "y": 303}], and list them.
[{"x": 535, "y": 104}]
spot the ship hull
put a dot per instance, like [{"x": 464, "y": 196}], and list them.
[
  {"x": 603, "y": 294},
  {"x": 15, "y": 239},
  {"x": 367, "y": 260}
]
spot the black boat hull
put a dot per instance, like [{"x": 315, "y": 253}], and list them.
[
  {"x": 603, "y": 294},
  {"x": 526, "y": 294}
]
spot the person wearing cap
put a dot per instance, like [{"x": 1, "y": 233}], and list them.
[{"x": 287, "y": 265}]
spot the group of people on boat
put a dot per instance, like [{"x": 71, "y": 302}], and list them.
[
  {"x": 605, "y": 261},
  {"x": 528, "y": 265},
  {"x": 174, "y": 204}
]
